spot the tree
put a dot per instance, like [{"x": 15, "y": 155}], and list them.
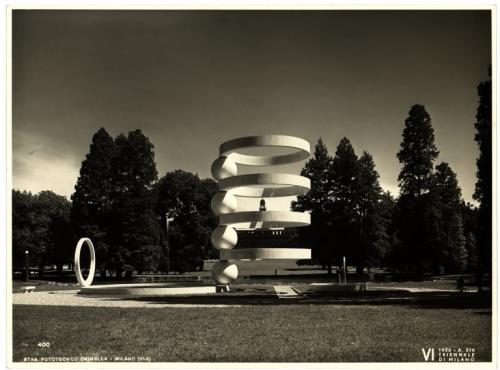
[
  {"x": 389, "y": 243},
  {"x": 208, "y": 220},
  {"x": 24, "y": 227},
  {"x": 40, "y": 225},
  {"x": 417, "y": 153},
  {"x": 147, "y": 258},
  {"x": 56, "y": 209},
  {"x": 483, "y": 191},
  {"x": 184, "y": 198},
  {"x": 350, "y": 214},
  {"x": 373, "y": 216},
  {"x": 472, "y": 256},
  {"x": 418, "y": 220},
  {"x": 91, "y": 201},
  {"x": 317, "y": 169},
  {"x": 62, "y": 237},
  {"x": 133, "y": 223},
  {"x": 345, "y": 192},
  {"x": 451, "y": 252},
  {"x": 470, "y": 225},
  {"x": 317, "y": 201}
]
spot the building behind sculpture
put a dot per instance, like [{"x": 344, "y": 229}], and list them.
[{"x": 270, "y": 238}]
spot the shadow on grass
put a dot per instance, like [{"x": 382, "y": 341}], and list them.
[
  {"x": 425, "y": 300},
  {"x": 486, "y": 313}
]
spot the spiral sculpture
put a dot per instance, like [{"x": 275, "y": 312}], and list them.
[{"x": 255, "y": 185}]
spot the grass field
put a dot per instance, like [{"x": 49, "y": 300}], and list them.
[
  {"x": 255, "y": 333},
  {"x": 372, "y": 327}
]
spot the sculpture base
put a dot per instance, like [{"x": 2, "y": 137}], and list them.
[
  {"x": 222, "y": 288},
  {"x": 149, "y": 289}
]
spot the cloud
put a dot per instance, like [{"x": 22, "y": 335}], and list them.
[{"x": 36, "y": 167}]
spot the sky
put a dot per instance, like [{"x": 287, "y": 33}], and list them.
[{"x": 191, "y": 80}]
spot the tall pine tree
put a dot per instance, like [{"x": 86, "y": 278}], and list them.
[
  {"x": 452, "y": 251},
  {"x": 317, "y": 202},
  {"x": 91, "y": 200},
  {"x": 350, "y": 214},
  {"x": 417, "y": 219},
  {"x": 134, "y": 227},
  {"x": 373, "y": 219},
  {"x": 345, "y": 205},
  {"x": 417, "y": 153}
]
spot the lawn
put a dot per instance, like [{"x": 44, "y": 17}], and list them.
[{"x": 312, "y": 332}]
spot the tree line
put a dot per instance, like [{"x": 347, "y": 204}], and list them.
[
  {"x": 139, "y": 222},
  {"x": 353, "y": 217},
  {"x": 427, "y": 228},
  {"x": 40, "y": 226},
  {"x": 122, "y": 206}
]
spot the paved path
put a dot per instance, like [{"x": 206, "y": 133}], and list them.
[
  {"x": 285, "y": 291},
  {"x": 415, "y": 289},
  {"x": 71, "y": 298}
]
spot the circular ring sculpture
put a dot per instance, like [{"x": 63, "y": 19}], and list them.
[
  {"x": 141, "y": 289},
  {"x": 78, "y": 272},
  {"x": 255, "y": 185}
]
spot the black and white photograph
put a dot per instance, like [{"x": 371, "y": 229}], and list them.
[{"x": 251, "y": 186}]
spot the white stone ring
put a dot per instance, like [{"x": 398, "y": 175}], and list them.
[
  {"x": 78, "y": 272},
  {"x": 265, "y": 219},
  {"x": 230, "y": 147},
  {"x": 256, "y": 185}
]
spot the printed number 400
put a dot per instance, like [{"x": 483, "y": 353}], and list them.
[{"x": 43, "y": 344}]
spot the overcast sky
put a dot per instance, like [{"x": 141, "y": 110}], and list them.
[{"x": 193, "y": 79}]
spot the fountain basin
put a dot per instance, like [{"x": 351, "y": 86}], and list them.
[{"x": 149, "y": 289}]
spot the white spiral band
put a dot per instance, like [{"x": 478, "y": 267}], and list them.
[
  {"x": 255, "y": 185},
  {"x": 230, "y": 147}
]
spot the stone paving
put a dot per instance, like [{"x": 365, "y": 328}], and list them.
[{"x": 72, "y": 298}]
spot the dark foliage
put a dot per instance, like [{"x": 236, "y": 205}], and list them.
[
  {"x": 483, "y": 191},
  {"x": 91, "y": 201},
  {"x": 41, "y": 226},
  {"x": 417, "y": 153},
  {"x": 133, "y": 224},
  {"x": 185, "y": 200},
  {"x": 350, "y": 215},
  {"x": 451, "y": 251},
  {"x": 418, "y": 218}
]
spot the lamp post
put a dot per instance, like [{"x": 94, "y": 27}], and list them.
[
  {"x": 344, "y": 269},
  {"x": 26, "y": 265},
  {"x": 167, "y": 221}
]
